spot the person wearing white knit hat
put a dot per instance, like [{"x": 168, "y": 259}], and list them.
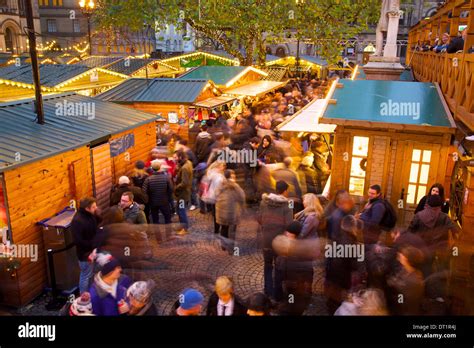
[{"x": 141, "y": 301}]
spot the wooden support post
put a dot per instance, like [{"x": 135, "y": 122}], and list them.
[
  {"x": 469, "y": 42},
  {"x": 454, "y": 27}
]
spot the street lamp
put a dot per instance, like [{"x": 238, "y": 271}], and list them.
[{"x": 87, "y": 8}]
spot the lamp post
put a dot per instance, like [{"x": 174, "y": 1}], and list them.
[
  {"x": 300, "y": 4},
  {"x": 87, "y": 8}
]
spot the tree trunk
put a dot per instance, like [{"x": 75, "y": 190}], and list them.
[{"x": 261, "y": 50}]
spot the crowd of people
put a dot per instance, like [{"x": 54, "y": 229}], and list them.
[
  {"x": 445, "y": 43},
  {"x": 382, "y": 269}
]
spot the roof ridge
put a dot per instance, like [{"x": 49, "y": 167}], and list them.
[{"x": 30, "y": 100}]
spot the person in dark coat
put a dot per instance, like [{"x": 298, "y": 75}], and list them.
[
  {"x": 342, "y": 272},
  {"x": 84, "y": 229},
  {"x": 434, "y": 227},
  {"x": 125, "y": 186},
  {"x": 308, "y": 176},
  {"x": 344, "y": 206},
  {"x": 297, "y": 274},
  {"x": 202, "y": 148},
  {"x": 131, "y": 210},
  {"x": 138, "y": 177},
  {"x": 407, "y": 284},
  {"x": 139, "y": 174},
  {"x": 139, "y": 295},
  {"x": 372, "y": 215},
  {"x": 109, "y": 290},
  {"x": 230, "y": 201},
  {"x": 436, "y": 189},
  {"x": 159, "y": 188},
  {"x": 331, "y": 206},
  {"x": 457, "y": 44},
  {"x": 258, "y": 305},
  {"x": 289, "y": 176},
  {"x": 183, "y": 188},
  {"x": 273, "y": 217},
  {"x": 223, "y": 301},
  {"x": 267, "y": 153}
]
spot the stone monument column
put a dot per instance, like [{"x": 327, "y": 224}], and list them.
[
  {"x": 386, "y": 67},
  {"x": 390, "y": 49}
]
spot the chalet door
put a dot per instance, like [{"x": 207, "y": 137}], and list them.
[
  {"x": 80, "y": 179},
  {"x": 418, "y": 165},
  {"x": 102, "y": 175}
]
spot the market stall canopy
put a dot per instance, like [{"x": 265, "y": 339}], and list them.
[
  {"x": 291, "y": 60},
  {"x": 225, "y": 76},
  {"x": 158, "y": 91},
  {"x": 214, "y": 102},
  {"x": 256, "y": 88},
  {"x": 98, "y": 61},
  {"x": 276, "y": 73},
  {"x": 17, "y": 82},
  {"x": 61, "y": 132},
  {"x": 398, "y": 105},
  {"x": 51, "y": 75},
  {"x": 137, "y": 66},
  {"x": 307, "y": 119},
  {"x": 127, "y": 91},
  {"x": 199, "y": 58}
]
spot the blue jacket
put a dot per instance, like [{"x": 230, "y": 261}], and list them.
[
  {"x": 334, "y": 224},
  {"x": 103, "y": 303},
  {"x": 374, "y": 212}
]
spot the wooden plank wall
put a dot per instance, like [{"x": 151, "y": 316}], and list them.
[
  {"x": 102, "y": 175},
  {"x": 35, "y": 192},
  {"x": 145, "y": 140},
  {"x": 339, "y": 170},
  {"x": 164, "y": 109}
]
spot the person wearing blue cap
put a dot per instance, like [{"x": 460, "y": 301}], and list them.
[{"x": 189, "y": 303}]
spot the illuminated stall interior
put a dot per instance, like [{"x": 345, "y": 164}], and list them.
[{"x": 310, "y": 64}]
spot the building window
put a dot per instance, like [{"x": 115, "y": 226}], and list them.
[
  {"x": 51, "y": 23},
  {"x": 168, "y": 46},
  {"x": 419, "y": 171},
  {"x": 76, "y": 26},
  {"x": 4, "y": 3},
  {"x": 51, "y": 3},
  {"x": 280, "y": 52},
  {"x": 9, "y": 40},
  {"x": 360, "y": 150}
]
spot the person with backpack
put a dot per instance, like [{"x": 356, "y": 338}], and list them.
[{"x": 377, "y": 215}]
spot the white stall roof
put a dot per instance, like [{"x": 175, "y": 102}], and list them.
[{"x": 307, "y": 119}]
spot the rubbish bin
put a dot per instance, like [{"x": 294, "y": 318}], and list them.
[{"x": 57, "y": 236}]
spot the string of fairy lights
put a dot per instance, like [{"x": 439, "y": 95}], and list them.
[{"x": 52, "y": 46}]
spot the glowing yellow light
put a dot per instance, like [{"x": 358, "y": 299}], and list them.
[{"x": 354, "y": 73}]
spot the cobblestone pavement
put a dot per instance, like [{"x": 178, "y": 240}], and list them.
[{"x": 197, "y": 259}]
